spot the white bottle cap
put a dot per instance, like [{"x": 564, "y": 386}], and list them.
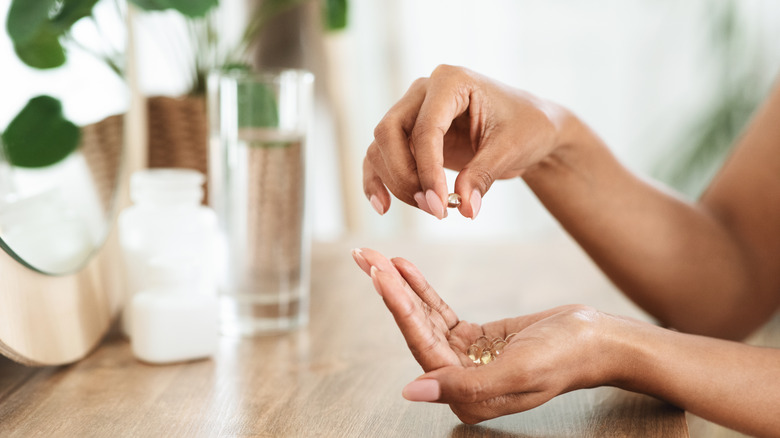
[{"x": 167, "y": 186}]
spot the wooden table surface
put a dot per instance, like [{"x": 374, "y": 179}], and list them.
[{"x": 341, "y": 376}]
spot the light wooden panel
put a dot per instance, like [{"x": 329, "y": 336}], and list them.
[{"x": 46, "y": 320}]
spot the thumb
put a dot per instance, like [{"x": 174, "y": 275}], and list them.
[
  {"x": 456, "y": 384},
  {"x": 475, "y": 179}
]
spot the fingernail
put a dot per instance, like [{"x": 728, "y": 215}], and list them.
[
  {"x": 424, "y": 390},
  {"x": 357, "y": 254},
  {"x": 375, "y": 280},
  {"x": 419, "y": 197},
  {"x": 436, "y": 207},
  {"x": 377, "y": 205},
  {"x": 476, "y": 203}
]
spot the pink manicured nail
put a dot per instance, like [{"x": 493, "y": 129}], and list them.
[
  {"x": 434, "y": 203},
  {"x": 424, "y": 390},
  {"x": 419, "y": 197},
  {"x": 476, "y": 203},
  {"x": 375, "y": 280},
  {"x": 377, "y": 205},
  {"x": 357, "y": 254}
]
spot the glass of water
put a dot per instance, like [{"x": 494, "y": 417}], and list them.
[{"x": 257, "y": 166}]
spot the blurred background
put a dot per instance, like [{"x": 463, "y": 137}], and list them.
[{"x": 667, "y": 84}]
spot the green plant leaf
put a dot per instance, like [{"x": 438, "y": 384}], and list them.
[
  {"x": 151, "y": 5},
  {"x": 35, "y": 27},
  {"x": 25, "y": 17},
  {"x": 193, "y": 8},
  {"x": 257, "y": 107},
  {"x": 71, "y": 12},
  {"x": 40, "y": 135},
  {"x": 335, "y": 14},
  {"x": 43, "y": 51},
  {"x": 188, "y": 8}
]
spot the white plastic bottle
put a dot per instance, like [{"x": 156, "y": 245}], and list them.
[
  {"x": 166, "y": 220},
  {"x": 177, "y": 319}
]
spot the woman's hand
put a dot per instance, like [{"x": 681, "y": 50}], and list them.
[
  {"x": 462, "y": 121},
  {"x": 552, "y": 352}
]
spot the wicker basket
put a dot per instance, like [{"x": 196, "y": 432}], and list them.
[
  {"x": 178, "y": 133},
  {"x": 102, "y": 145}
]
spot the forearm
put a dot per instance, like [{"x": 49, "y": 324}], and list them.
[
  {"x": 671, "y": 257},
  {"x": 726, "y": 382}
]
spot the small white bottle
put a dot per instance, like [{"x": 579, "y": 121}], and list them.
[
  {"x": 176, "y": 320},
  {"x": 166, "y": 219}
]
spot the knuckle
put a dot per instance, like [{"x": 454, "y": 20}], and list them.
[
  {"x": 483, "y": 178},
  {"x": 465, "y": 414},
  {"x": 471, "y": 392},
  {"x": 383, "y": 130},
  {"x": 444, "y": 70},
  {"x": 373, "y": 154},
  {"x": 424, "y": 348},
  {"x": 582, "y": 308},
  {"x": 418, "y": 83},
  {"x": 581, "y": 311},
  {"x": 424, "y": 129}
]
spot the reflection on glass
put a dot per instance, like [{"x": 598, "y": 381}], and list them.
[{"x": 61, "y": 130}]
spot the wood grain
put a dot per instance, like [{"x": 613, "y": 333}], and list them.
[
  {"x": 341, "y": 376},
  {"x": 56, "y": 319}
]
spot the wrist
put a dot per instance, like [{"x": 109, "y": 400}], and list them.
[
  {"x": 573, "y": 149},
  {"x": 606, "y": 352},
  {"x": 629, "y": 344}
]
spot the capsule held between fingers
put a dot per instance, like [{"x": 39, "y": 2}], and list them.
[{"x": 453, "y": 200}]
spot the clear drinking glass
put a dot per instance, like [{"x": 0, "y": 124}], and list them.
[{"x": 258, "y": 131}]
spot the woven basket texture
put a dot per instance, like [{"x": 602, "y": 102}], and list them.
[
  {"x": 178, "y": 133},
  {"x": 102, "y": 145}
]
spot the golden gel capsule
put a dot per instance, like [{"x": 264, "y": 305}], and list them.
[
  {"x": 509, "y": 337},
  {"x": 486, "y": 357},
  {"x": 482, "y": 342},
  {"x": 474, "y": 353},
  {"x": 453, "y": 200},
  {"x": 497, "y": 348}
]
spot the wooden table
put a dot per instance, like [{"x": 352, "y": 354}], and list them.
[{"x": 342, "y": 376}]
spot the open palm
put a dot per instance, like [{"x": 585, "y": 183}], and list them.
[
  {"x": 433, "y": 332},
  {"x": 546, "y": 357}
]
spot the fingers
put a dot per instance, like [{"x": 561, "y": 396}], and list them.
[
  {"x": 424, "y": 328},
  {"x": 478, "y": 393},
  {"x": 374, "y": 189},
  {"x": 473, "y": 384},
  {"x": 390, "y": 158},
  {"x": 366, "y": 258},
  {"x": 407, "y": 155},
  {"x": 446, "y": 98},
  {"x": 423, "y": 289},
  {"x": 473, "y": 413},
  {"x": 436, "y": 390},
  {"x": 475, "y": 179},
  {"x": 428, "y": 345}
]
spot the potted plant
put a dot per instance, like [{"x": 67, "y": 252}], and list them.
[
  {"x": 54, "y": 204},
  {"x": 177, "y": 125}
]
